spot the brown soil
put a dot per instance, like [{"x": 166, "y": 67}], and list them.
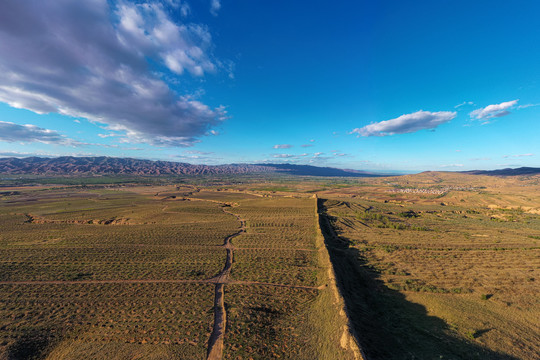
[{"x": 215, "y": 343}]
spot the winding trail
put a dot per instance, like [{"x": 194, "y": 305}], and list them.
[{"x": 215, "y": 343}]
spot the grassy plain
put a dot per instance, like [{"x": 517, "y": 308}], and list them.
[
  {"x": 95, "y": 272},
  {"x": 127, "y": 272},
  {"x": 278, "y": 303},
  {"x": 434, "y": 265},
  {"x": 440, "y": 265}
]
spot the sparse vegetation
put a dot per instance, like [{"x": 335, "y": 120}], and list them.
[
  {"x": 467, "y": 263},
  {"x": 91, "y": 272}
]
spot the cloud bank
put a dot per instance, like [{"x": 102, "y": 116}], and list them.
[
  {"x": 12, "y": 132},
  {"x": 93, "y": 59},
  {"x": 407, "y": 123},
  {"x": 491, "y": 111}
]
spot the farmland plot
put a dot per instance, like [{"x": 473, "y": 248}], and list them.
[{"x": 164, "y": 273}]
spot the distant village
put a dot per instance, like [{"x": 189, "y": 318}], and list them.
[{"x": 434, "y": 191}]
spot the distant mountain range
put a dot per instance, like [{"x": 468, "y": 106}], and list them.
[
  {"x": 505, "y": 172},
  {"x": 109, "y": 165},
  {"x": 67, "y": 165}
]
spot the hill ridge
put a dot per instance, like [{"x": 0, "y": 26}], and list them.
[{"x": 64, "y": 165}]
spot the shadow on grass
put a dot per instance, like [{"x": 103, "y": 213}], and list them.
[
  {"x": 386, "y": 325},
  {"x": 31, "y": 344}
]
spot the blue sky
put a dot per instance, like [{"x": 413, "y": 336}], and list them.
[{"x": 394, "y": 85}]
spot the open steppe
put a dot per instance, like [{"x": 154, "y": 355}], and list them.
[
  {"x": 439, "y": 265},
  {"x": 433, "y": 265},
  {"x": 158, "y": 272}
]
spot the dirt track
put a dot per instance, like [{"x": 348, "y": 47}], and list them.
[{"x": 215, "y": 343}]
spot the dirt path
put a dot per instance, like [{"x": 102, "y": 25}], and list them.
[{"x": 215, "y": 343}]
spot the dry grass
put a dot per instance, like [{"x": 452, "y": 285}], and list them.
[
  {"x": 56, "y": 245},
  {"x": 473, "y": 266}
]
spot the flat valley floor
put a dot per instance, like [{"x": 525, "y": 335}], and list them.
[{"x": 421, "y": 268}]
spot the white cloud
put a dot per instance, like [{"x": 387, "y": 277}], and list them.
[
  {"x": 197, "y": 152},
  {"x": 524, "y": 106},
  {"x": 103, "y": 136},
  {"x": 284, "y": 156},
  {"x": 518, "y": 155},
  {"x": 12, "y": 132},
  {"x": 491, "y": 111},
  {"x": 51, "y": 62},
  {"x": 215, "y": 5},
  {"x": 407, "y": 123},
  {"x": 452, "y": 165},
  {"x": 282, "y": 146},
  {"x": 463, "y": 104},
  {"x": 45, "y": 154}
]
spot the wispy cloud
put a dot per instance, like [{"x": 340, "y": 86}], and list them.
[
  {"x": 282, "y": 146},
  {"x": 306, "y": 145},
  {"x": 215, "y": 5},
  {"x": 494, "y": 110},
  {"x": 463, "y": 104},
  {"x": 452, "y": 165},
  {"x": 518, "y": 155},
  {"x": 284, "y": 156},
  {"x": 524, "y": 106},
  {"x": 51, "y": 62},
  {"x": 197, "y": 152},
  {"x": 103, "y": 136},
  {"x": 407, "y": 123},
  {"x": 18, "y": 154},
  {"x": 12, "y": 132}
]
